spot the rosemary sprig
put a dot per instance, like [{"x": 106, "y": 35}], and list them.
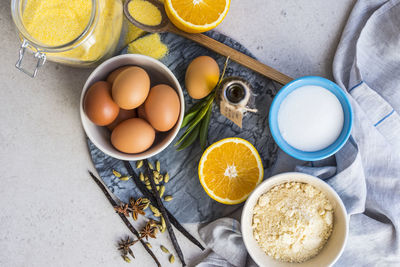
[
  {"x": 197, "y": 119},
  {"x": 123, "y": 217},
  {"x": 148, "y": 194},
  {"x": 165, "y": 215}
]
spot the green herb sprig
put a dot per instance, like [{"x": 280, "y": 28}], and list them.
[{"x": 197, "y": 118}]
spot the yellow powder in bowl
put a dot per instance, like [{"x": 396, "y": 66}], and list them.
[
  {"x": 144, "y": 12},
  {"x": 149, "y": 45}
]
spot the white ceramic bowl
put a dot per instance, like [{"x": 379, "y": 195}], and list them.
[
  {"x": 159, "y": 73},
  {"x": 336, "y": 242}
]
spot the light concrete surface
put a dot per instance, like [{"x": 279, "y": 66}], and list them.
[{"x": 51, "y": 212}]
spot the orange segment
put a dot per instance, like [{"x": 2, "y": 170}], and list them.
[
  {"x": 230, "y": 169},
  {"x": 196, "y": 16}
]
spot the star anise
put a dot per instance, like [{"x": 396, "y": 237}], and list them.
[
  {"x": 123, "y": 208},
  {"x": 137, "y": 207},
  {"x": 124, "y": 246},
  {"x": 148, "y": 231}
]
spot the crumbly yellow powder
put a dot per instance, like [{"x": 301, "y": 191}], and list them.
[
  {"x": 56, "y": 22},
  {"x": 133, "y": 33},
  {"x": 144, "y": 12},
  {"x": 293, "y": 221},
  {"x": 149, "y": 45}
]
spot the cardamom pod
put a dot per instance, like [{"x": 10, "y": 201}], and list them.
[
  {"x": 141, "y": 177},
  {"x": 162, "y": 190},
  {"x": 117, "y": 174},
  {"x": 153, "y": 223},
  {"x": 150, "y": 165},
  {"x": 163, "y": 224},
  {"x": 147, "y": 182},
  {"x": 148, "y": 187},
  {"x": 171, "y": 259},
  {"x": 166, "y": 178},
  {"x": 139, "y": 164},
  {"x": 158, "y": 166},
  {"x": 154, "y": 209},
  {"x": 145, "y": 200},
  {"x": 146, "y": 205},
  {"x": 125, "y": 178},
  {"x": 156, "y": 174},
  {"x": 168, "y": 198},
  {"x": 160, "y": 227},
  {"x": 158, "y": 187},
  {"x": 127, "y": 259},
  {"x": 160, "y": 178},
  {"x": 164, "y": 249},
  {"x": 156, "y": 181},
  {"x": 148, "y": 245}
]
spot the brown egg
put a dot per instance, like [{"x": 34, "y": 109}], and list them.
[
  {"x": 201, "y": 76},
  {"x": 131, "y": 88},
  {"x": 162, "y": 107},
  {"x": 111, "y": 77},
  {"x": 98, "y": 104},
  {"x": 141, "y": 112},
  {"x": 122, "y": 116},
  {"x": 133, "y": 136}
]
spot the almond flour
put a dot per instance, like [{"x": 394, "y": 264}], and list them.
[{"x": 292, "y": 222}]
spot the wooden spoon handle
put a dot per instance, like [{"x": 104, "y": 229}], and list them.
[{"x": 236, "y": 56}]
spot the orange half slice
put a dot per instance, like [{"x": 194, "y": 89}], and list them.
[
  {"x": 230, "y": 170},
  {"x": 196, "y": 16}
]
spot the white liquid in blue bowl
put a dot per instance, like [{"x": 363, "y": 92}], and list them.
[{"x": 310, "y": 118}]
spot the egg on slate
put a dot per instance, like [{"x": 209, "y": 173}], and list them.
[
  {"x": 98, "y": 104},
  {"x": 133, "y": 136},
  {"x": 111, "y": 77},
  {"x": 122, "y": 116},
  {"x": 162, "y": 107},
  {"x": 201, "y": 77},
  {"x": 131, "y": 87}
]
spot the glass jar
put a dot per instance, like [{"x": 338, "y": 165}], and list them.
[{"x": 94, "y": 44}]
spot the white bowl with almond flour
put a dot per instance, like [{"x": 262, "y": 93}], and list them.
[{"x": 294, "y": 217}]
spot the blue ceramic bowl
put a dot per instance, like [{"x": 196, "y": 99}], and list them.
[{"x": 331, "y": 149}]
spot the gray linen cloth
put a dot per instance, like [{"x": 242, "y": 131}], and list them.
[{"x": 367, "y": 171}]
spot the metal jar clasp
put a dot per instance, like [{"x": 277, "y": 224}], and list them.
[{"x": 41, "y": 59}]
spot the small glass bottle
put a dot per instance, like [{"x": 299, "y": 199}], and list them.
[
  {"x": 235, "y": 91},
  {"x": 234, "y": 96}
]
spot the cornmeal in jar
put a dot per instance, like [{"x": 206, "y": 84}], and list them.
[{"x": 58, "y": 22}]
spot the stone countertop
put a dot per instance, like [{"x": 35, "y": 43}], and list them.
[{"x": 51, "y": 212}]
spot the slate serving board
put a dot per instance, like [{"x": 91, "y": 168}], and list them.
[{"x": 191, "y": 203}]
